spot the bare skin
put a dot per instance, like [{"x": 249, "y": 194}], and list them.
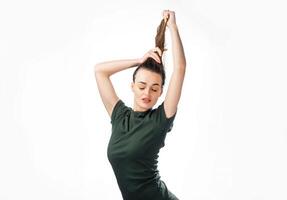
[
  {"x": 146, "y": 93},
  {"x": 147, "y": 89}
]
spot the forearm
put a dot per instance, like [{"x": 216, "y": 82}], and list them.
[
  {"x": 111, "y": 67},
  {"x": 177, "y": 48}
]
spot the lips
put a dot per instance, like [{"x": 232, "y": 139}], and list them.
[{"x": 146, "y": 100}]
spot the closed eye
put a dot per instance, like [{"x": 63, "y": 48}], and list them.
[{"x": 142, "y": 88}]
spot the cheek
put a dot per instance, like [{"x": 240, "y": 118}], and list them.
[
  {"x": 138, "y": 92},
  {"x": 155, "y": 95},
  {"x": 158, "y": 92}
]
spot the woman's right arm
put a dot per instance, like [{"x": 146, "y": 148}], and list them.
[{"x": 103, "y": 71}]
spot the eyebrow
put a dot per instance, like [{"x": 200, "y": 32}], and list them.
[{"x": 145, "y": 83}]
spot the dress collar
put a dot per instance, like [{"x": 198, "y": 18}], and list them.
[{"x": 140, "y": 113}]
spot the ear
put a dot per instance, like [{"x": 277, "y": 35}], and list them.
[
  {"x": 132, "y": 86},
  {"x": 161, "y": 90}
]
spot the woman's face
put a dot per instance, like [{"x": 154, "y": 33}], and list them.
[{"x": 147, "y": 89}]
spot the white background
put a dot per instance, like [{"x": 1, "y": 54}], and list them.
[{"x": 229, "y": 140}]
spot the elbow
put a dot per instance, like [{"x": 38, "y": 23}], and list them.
[
  {"x": 181, "y": 66},
  {"x": 97, "y": 68},
  {"x": 183, "y": 63}
]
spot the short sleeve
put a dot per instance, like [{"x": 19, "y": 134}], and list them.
[
  {"x": 119, "y": 111},
  {"x": 167, "y": 122}
]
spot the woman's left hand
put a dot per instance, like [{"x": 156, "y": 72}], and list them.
[{"x": 170, "y": 17}]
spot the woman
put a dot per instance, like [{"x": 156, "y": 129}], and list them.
[{"x": 139, "y": 133}]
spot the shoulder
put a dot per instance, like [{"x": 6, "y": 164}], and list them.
[
  {"x": 162, "y": 112},
  {"x": 119, "y": 110},
  {"x": 162, "y": 119}
]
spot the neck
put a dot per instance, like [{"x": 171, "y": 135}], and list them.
[{"x": 137, "y": 108}]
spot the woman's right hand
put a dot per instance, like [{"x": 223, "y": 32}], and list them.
[{"x": 154, "y": 53}]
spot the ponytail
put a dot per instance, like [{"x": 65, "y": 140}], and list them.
[
  {"x": 150, "y": 63},
  {"x": 160, "y": 36}
]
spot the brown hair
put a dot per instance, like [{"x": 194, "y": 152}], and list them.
[{"x": 150, "y": 63}]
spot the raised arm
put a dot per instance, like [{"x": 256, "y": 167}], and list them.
[
  {"x": 104, "y": 70},
  {"x": 175, "y": 85}
]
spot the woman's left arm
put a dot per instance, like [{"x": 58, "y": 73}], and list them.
[{"x": 175, "y": 84}]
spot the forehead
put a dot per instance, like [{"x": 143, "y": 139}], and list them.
[{"x": 148, "y": 77}]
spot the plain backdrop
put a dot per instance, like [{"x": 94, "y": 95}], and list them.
[{"x": 229, "y": 139}]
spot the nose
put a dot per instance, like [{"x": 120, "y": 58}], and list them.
[{"x": 147, "y": 91}]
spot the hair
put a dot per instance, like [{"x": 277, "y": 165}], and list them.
[{"x": 151, "y": 64}]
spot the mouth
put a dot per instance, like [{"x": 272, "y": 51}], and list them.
[{"x": 146, "y": 100}]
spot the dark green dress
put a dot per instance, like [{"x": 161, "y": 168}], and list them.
[{"x": 133, "y": 151}]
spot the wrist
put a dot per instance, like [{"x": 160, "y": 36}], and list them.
[
  {"x": 138, "y": 61},
  {"x": 172, "y": 27}
]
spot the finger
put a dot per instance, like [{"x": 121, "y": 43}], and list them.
[
  {"x": 165, "y": 14},
  {"x": 155, "y": 56},
  {"x": 158, "y": 50}
]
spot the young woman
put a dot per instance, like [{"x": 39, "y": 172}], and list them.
[{"x": 139, "y": 133}]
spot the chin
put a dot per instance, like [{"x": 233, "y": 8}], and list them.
[{"x": 146, "y": 106}]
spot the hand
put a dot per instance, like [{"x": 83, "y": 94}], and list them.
[
  {"x": 154, "y": 53},
  {"x": 170, "y": 17}
]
